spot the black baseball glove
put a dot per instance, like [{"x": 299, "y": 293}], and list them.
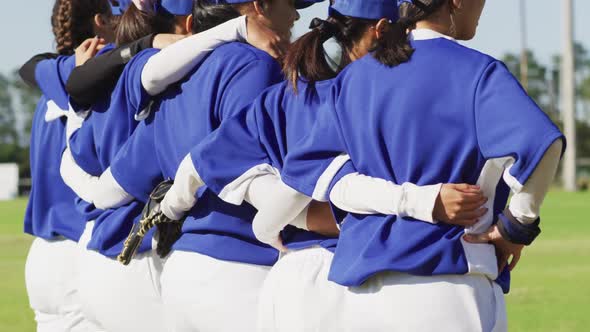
[{"x": 168, "y": 230}]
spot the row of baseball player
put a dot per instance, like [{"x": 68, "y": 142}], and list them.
[{"x": 364, "y": 189}]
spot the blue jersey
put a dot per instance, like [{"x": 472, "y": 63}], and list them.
[
  {"x": 106, "y": 129},
  {"x": 228, "y": 80},
  {"x": 258, "y": 138},
  {"x": 449, "y": 115},
  {"x": 50, "y": 210}
]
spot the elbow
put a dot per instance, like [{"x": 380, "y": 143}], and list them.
[
  {"x": 73, "y": 90},
  {"x": 151, "y": 83}
]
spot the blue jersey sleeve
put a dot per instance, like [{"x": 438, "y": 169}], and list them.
[
  {"x": 509, "y": 123},
  {"x": 137, "y": 97},
  {"x": 313, "y": 162},
  {"x": 231, "y": 152},
  {"x": 246, "y": 84},
  {"x": 136, "y": 167},
  {"x": 83, "y": 148},
  {"x": 51, "y": 76}
]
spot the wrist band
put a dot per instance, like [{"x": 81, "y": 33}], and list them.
[{"x": 518, "y": 233}]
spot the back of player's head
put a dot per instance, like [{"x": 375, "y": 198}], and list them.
[
  {"x": 145, "y": 17},
  {"x": 208, "y": 14},
  {"x": 347, "y": 24},
  {"x": 72, "y": 22},
  {"x": 463, "y": 20}
]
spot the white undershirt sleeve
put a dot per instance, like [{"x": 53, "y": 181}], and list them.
[
  {"x": 76, "y": 178},
  {"x": 104, "y": 191},
  {"x": 363, "y": 194},
  {"x": 260, "y": 191},
  {"x": 182, "y": 195},
  {"x": 109, "y": 193},
  {"x": 174, "y": 62},
  {"x": 526, "y": 203},
  {"x": 283, "y": 206}
]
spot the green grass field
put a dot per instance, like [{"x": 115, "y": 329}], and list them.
[{"x": 550, "y": 290}]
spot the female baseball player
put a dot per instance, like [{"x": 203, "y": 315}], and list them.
[
  {"x": 456, "y": 115},
  {"x": 251, "y": 147},
  {"x": 51, "y": 269},
  {"x": 217, "y": 242},
  {"x": 118, "y": 298},
  {"x": 130, "y": 103}
]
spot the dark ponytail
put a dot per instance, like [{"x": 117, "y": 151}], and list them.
[
  {"x": 135, "y": 24},
  {"x": 307, "y": 58},
  {"x": 72, "y": 22},
  {"x": 393, "y": 48},
  {"x": 207, "y": 16}
]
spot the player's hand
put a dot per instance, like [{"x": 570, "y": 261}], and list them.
[
  {"x": 459, "y": 204},
  {"x": 263, "y": 38},
  {"x": 278, "y": 245},
  {"x": 163, "y": 40},
  {"x": 88, "y": 49},
  {"x": 504, "y": 248}
]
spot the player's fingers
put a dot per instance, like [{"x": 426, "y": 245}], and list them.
[
  {"x": 478, "y": 238},
  {"x": 471, "y": 214},
  {"x": 514, "y": 261},
  {"x": 278, "y": 244},
  {"x": 470, "y": 198},
  {"x": 502, "y": 261},
  {"x": 467, "y": 188},
  {"x": 274, "y": 52},
  {"x": 92, "y": 47},
  {"x": 85, "y": 44}
]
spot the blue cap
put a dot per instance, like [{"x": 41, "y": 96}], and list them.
[
  {"x": 367, "y": 9},
  {"x": 299, "y": 4},
  {"x": 118, "y": 7},
  {"x": 177, "y": 7}
]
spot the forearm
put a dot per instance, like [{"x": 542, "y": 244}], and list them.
[
  {"x": 182, "y": 195},
  {"x": 76, "y": 178},
  {"x": 525, "y": 205},
  {"x": 319, "y": 219},
  {"x": 109, "y": 193},
  {"x": 519, "y": 223},
  {"x": 260, "y": 191},
  {"x": 98, "y": 76},
  {"x": 27, "y": 71},
  {"x": 282, "y": 207},
  {"x": 104, "y": 191},
  {"x": 176, "y": 61},
  {"x": 362, "y": 194}
]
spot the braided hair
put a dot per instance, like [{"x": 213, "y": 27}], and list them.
[{"x": 72, "y": 22}]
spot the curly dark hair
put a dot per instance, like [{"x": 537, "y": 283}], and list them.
[{"x": 72, "y": 22}]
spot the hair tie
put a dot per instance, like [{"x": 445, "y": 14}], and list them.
[{"x": 326, "y": 28}]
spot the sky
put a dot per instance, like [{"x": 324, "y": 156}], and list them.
[{"x": 25, "y": 29}]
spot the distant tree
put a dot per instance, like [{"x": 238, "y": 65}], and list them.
[{"x": 27, "y": 101}]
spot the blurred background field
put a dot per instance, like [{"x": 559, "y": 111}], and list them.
[{"x": 550, "y": 289}]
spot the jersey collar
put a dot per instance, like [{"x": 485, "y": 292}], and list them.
[{"x": 425, "y": 34}]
